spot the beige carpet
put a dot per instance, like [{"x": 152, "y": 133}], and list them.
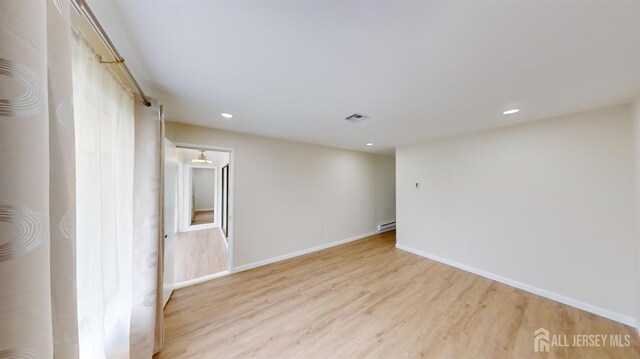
[{"x": 199, "y": 253}]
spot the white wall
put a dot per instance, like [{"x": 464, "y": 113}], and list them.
[
  {"x": 636, "y": 132},
  {"x": 549, "y": 204},
  {"x": 291, "y": 196},
  {"x": 204, "y": 186}
]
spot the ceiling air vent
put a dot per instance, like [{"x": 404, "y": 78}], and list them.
[{"x": 356, "y": 117}]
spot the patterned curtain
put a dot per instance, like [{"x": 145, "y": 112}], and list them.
[
  {"x": 146, "y": 314},
  {"x": 37, "y": 182},
  {"x": 38, "y": 281}
]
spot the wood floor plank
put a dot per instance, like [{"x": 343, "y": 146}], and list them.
[{"x": 369, "y": 299}]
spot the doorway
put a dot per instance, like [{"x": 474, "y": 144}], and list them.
[
  {"x": 203, "y": 199},
  {"x": 201, "y": 195},
  {"x": 203, "y": 238}
]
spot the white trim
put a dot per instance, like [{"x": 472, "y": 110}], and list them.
[
  {"x": 205, "y": 278},
  {"x": 528, "y": 288},
  {"x": 199, "y": 227},
  {"x": 187, "y": 193},
  {"x": 264, "y": 262},
  {"x": 232, "y": 202}
]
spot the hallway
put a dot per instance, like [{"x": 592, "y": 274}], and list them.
[{"x": 199, "y": 253}]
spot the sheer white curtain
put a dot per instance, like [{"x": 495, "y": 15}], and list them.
[
  {"x": 41, "y": 308},
  {"x": 104, "y": 113},
  {"x": 146, "y": 313},
  {"x": 37, "y": 182}
]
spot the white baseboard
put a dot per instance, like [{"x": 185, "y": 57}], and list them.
[
  {"x": 529, "y": 288},
  {"x": 303, "y": 252},
  {"x": 205, "y": 278},
  {"x": 199, "y": 227}
]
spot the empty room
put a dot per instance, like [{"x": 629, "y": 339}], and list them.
[{"x": 319, "y": 179}]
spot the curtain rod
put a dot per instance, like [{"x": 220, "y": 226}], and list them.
[{"x": 84, "y": 9}]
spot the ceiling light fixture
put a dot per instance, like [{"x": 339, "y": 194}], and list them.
[
  {"x": 201, "y": 159},
  {"x": 370, "y": 144},
  {"x": 226, "y": 115},
  {"x": 512, "y": 111}
]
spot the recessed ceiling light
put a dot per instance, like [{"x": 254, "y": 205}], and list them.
[
  {"x": 512, "y": 111},
  {"x": 370, "y": 144},
  {"x": 226, "y": 115}
]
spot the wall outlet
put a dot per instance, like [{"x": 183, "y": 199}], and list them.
[{"x": 417, "y": 185}]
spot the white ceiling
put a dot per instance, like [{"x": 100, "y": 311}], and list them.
[{"x": 420, "y": 70}]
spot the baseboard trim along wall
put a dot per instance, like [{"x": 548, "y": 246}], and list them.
[
  {"x": 202, "y": 279},
  {"x": 304, "y": 251},
  {"x": 528, "y": 288}
]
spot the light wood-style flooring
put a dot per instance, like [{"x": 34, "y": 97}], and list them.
[
  {"x": 369, "y": 299},
  {"x": 203, "y": 217},
  {"x": 199, "y": 253}
]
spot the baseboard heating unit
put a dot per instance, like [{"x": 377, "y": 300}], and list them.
[{"x": 386, "y": 226}]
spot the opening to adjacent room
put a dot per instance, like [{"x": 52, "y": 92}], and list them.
[{"x": 196, "y": 204}]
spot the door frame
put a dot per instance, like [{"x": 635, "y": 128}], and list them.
[
  {"x": 224, "y": 209},
  {"x": 167, "y": 284},
  {"x": 230, "y": 224},
  {"x": 186, "y": 193}
]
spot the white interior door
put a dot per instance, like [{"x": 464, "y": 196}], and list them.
[{"x": 170, "y": 215}]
